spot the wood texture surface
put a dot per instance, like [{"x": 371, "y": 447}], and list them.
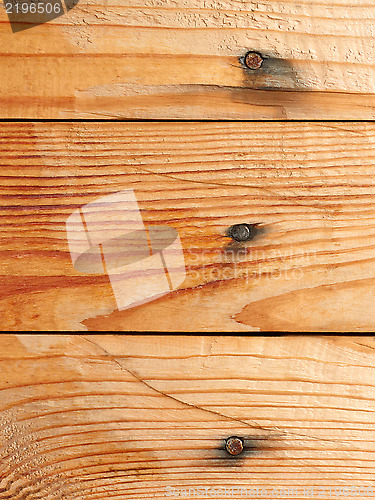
[
  {"x": 311, "y": 186},
  {"x": 127, "y": 417},
  {"x": 168, "y": 59}
]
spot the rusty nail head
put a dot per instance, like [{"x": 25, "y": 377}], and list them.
[
  {"x": 253, "y": 60},
  {"x": 234, "y": 445}
]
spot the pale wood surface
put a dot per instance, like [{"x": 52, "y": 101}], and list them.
[
  {"x": 125, "y": 417},
  {"x": 311, "y": 186},
  {"x": 182, "y": 59}
]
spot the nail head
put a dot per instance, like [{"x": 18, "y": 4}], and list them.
[
  {"x": 253, "y": 60},
  {"x": 234, "y": 445},
  {"x": 242, "y": 232}
]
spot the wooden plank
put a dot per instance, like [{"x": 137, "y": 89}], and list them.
[
  {"x": 310, "y": 267},
  {"x": 133, "y": 417},
  {"x": 174, "y": 60}
]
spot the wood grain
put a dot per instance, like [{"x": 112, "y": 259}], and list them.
[
  {"x": 176, "y": 60},
  {"x": 310, "y": 268},
  {"x": 127, "y": 417}
]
